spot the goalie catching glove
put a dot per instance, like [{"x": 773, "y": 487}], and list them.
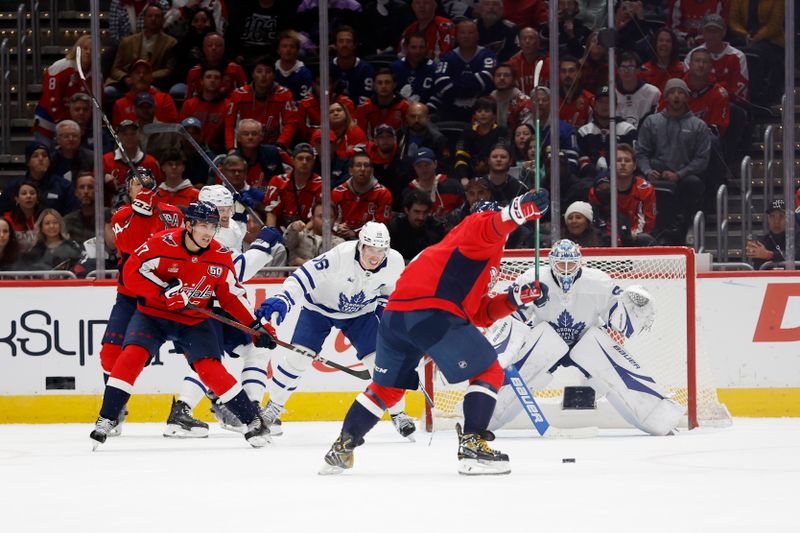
[
  {"x": 529, "y": 206},
  {"x": 635, "y": 311}
]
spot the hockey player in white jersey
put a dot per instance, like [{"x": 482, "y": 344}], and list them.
[
  {"x": 347, "y": 288},
  {"x": 267, "y": 249},
  {"x": 569, "y": 326}
]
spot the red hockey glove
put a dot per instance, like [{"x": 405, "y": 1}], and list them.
[
  {"x": 266, "y": 335},
  {"x": 529, "y": 206},
  {"x": 143, "y": 203},
  {"x": 174, "y": 296}
]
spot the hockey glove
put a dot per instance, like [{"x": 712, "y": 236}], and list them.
[
  {"x": 267, "y": 238},
  {"x": 274, "y": 309},
  {"x": 266, "y": 335},
  {"x": 250, "y": 197},
  {"x": 528, "y": 293},
  {"x": 529, "y": 206},
  {"x": 174, "y": 297},
  {"x": 143, "y": 203}
]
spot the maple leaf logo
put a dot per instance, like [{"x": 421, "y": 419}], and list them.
[
  {"x": 352, "y": 305},
  {"x": 566, "y": 327}
]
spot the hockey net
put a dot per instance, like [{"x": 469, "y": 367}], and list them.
[{"x": 668, "y": 351}]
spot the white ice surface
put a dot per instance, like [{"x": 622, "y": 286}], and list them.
[{"x": 744, "y": 478}]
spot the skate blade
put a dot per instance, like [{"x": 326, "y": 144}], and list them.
[
  {"x": 275, "y": 431},
  {"x": 411, "y": 438},
  {"x": 177, "y": 432},
  {"x": 241, "y": 430},
  {"x": 330, "y": 470},
  {"x": 95, "y": 444},
  {"x": 116, "y": 432},
  {"x": 259, "y": 441},
  {"x": 474, "y": 467}
]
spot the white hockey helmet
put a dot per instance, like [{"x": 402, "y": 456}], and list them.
[
  {"x": 217, "y": 195},
  {"x": 565, "y": 263},
  {"x": 374, "y": 234}
]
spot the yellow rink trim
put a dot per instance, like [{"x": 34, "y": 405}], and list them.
[
  {"x": 70, "y": 408},
  {"x": 771, "y": 402}
]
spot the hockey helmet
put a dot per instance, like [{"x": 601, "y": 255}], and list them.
[
  {"x": 485, "y": 205},
  {"x": 374, "y": 234},
  {"x": 565, "y": 263},
  {"x": 202, "y": 212},
  {"x": 145, "y": 174},
  {"x": 218, "y": 195}
]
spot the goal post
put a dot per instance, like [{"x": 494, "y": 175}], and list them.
[{"x": 668, "y": 352}]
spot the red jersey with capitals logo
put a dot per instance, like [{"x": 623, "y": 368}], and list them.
[
  {"x": 205, "y": 275},
  {"x": 637, "y": 204},
  {"x": 310, "y": 119},
  {"x": 116, "y": 167},
  {"x": 233, "y": 77},
  {"x": 525, "y": 71},
  {"x": 440, "y": 36},
  {"x": 124, "y": 108},
  {"x": 729, "y": 69},
  {"x": 713, "y": 105},
  {"x": 371, "y": 114},
  {"x": 355, "y": 209},
  {"x": 576, "y": 111},
  {"x": 60, "y": 82},
  {"x": 456, "y": 274},
  {"x": 277, "y": 112},
  {"x": 287, "y": 202},
  {"x": 131, "y": 230},
  {"x": 686, "y": 16},
  {"x": 653, "y": 74},
  {"x": 211, "y": 115}
]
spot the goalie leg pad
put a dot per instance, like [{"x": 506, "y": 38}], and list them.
[
  {"x": 287, "y": 374},
  {"x": 633, "y": 394}
]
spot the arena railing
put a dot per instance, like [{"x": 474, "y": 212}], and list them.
[
  {"x": 38, "y": 274},
  {"x": 769, "y": 166},
  {"x": 746, "y": 173},
  {"x": 5, "y": 98},
  {"x": 722, "y": 223},
  {"x": 22, "y": 61},
  {"x": 36, "y": 43},
  {"x": 699, "y": 232}
]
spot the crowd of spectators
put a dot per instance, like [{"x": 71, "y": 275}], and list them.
[{"x": 432, "y": 109}]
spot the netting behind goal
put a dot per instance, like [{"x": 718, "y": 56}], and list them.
[{"x": 668, "y": 352}]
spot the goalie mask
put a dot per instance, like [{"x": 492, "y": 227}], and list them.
[{"x": 565, "y": 263}]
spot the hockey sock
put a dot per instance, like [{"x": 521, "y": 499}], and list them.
[
  {"x": 109, "y": 353},
  {"x": 120, "y": 384},
  {"x": 481, "y": 397},
  {"x": 368, "y": 409},
  {"x": 192, "y": 390},
  {"x": 254, "y": 373},
  {"x": 286, "y": 375},
  {"x": 224, "y": 385},
  {"x": 399, "y": 407}
]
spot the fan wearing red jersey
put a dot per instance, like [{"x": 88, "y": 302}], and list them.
[
  {"x": 361, "y": 198},
  {"x": 291, "y": 196},
  {"x": 170, "y": 271},
  {"x": 439, "y": 32},
  {"x": 436, "y": 308}
]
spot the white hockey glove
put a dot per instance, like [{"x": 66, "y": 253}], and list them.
[
  {"x": 529, "y": 206},
  {"x": 635, "y": 312}
]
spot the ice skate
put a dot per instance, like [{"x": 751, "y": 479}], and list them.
[
  {"x": 227, "y": 420},
  {"x": 257, "y": 434},
  {"x": 270, "y": 414},
  {"x": 182, "y": 425},
  {"x": 404, "y": 425},
  {"x": 340, "y": 457},
  {"x": 116, "y": 431},
  {"x": 101, "y": 430},
  {"x": 476, "y": 458}
]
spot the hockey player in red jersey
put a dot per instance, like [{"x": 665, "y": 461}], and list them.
[
  {"x": 171, "y": 270},
  {"x": 436, "y": 308}
]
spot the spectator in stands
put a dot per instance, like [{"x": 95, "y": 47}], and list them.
[
  {"x": 477, "y": 190},
  {"x": 439, "y": 32},
  {"x": 665, "y": 63},
  {"x": 80, "y": 111},
  {"x": 472, "y": 150},
  {"x": 707, "y": 100},
  {"x": 175, "y": 189},
  {"x": 513, "y": 106},
  {"x": 578, "y": 226},
  {"x": 60, "y": 82},
  {"x": 502, "y": 186},
  {"x": 309, "y": 108},
  {"x": 386, "y": 164},
  {"x": 9, "y": 247},
  {"x": 360, "y": 199},
  {"x": 729, "y": 65},
  {"x": 573, "y": 186},
  {"x": 384, "y": 107},
  {"x": 79, "y": 224},
  {"x": 151, "y": 44},
  {"x": 575, "y": 100},
  {"x": 771, "y": 245},
  {"x": 686, "y": 18},
  {"x": 304, "y": 240},
  {"x": 270, "y": 104},
  {"x": 213, "y": 56},
  {"x": 23, "y": 212},
  {"x": 53, "y": 250},
  {"x": 414, "y": 73},
  {"x": 140, "y": 81},
  {"x": 594, "y": 137},
  {"x": 154, "y": 144},
  {"x": 524, "y": 61},
  {"x": 290, "y": 196},
  {"x": 573, "y": 34},
  {"x": 340, "y": 168},
  {"x": 196, "y": 166},
  {"x": 592, "y": 13},
  {"x": 189, "y": 49},
  {"x": 673, "y": 151},
  {"x": 636, "y": 201},
  {"x": 495, "y": 32},
  {"x": 263, "y": 160},
  {"x": 446, "y": 194},
  {"x": 354, "y": 75},
  {"x": 210, "y": 108},
  {"x": 115, "y": 167},
  {"x": 523, "y": 139},
  {"x": 127, "y": 16},
  {"x": 349, "y": 137},
  {"x": 523, "y": 12},
  {"x": 759, "y": 28},
  {"x": 417, "y": 132},
  {"x": 180, "y": 15},
  {"x": 290, "y": 71},
  {"x": 340, "y": 13},
  {"x": 594, "y": 67},
  {"x": 415, "y": 229},
  {"x": 635, "y": 98},
  {"x": 567, "y": 143},
  {"x": 632, "y": 30},
  {"x": 234, "y": 168},
  {"x": 69, "y": 157},
  {"x": 52, "y": 190},
  {"x": 254, "y": 26},
  {"x": 463, "y": 76}
]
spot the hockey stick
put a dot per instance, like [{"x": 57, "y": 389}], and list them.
[
  {"x": 113, "y": 133},
  {"x": 163, "y": 127},
  {"x": 536, "y": 73},
  {"x": 360, "y": 374},
  {"x": 525, "y": 397}
]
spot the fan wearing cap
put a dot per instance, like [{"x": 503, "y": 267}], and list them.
[
  {"x": 140, "y": 80},
  {"x": 210, "y": 108},
  {"x": 115, "y": 167},
  {"x": 386, "y": 163},
  {"x": 445, "y": 194},
  {"x": 476, "y": 191},
  {"x": 772, "y": 245},
  {"x": 686, "y": 18},
  {"x": 361, "y": 198},
  {"x": 594, "y": 137},
  {"x": 729, "y": 64},
  {"x": 578, "y": 226},
  {"x": 384, "y": 107},
  {"x": 290, "y": 196}
]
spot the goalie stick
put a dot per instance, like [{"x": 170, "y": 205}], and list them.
[{"x": 360, "y": 374}]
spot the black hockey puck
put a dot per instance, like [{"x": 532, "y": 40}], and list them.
[{"x": 568, "y": 460}]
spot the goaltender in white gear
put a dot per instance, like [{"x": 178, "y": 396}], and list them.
[
  {"x": 569, "y": 326},
  {"x": 346, "y": 288},
  {"x": 266, "y": 250}
]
